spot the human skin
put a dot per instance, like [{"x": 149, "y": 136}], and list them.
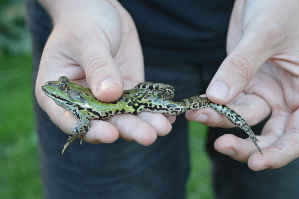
[
  {"x": 259, "y": 77},
  {"x": 95, "y": 43}
]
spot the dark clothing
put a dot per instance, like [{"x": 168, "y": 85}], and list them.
[
  {"x": 176, "y": 31},
  {"x": 129, "y": 170},
  {"x": 170, "y": 31}
]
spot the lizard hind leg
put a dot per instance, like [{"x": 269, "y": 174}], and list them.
[
  {"x": 238, "y": 121},
  {"x": 196, "y": 102},
  {"x": 70, "y": 139},
  {"x": 164, "y": 90},
  {"x": 252, "y": 136}
]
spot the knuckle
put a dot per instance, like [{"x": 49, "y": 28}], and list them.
[
  {"x": 96, "y": 69},
  {"x": 94, "y": 64},
  {"x": 86, "y": 32},
  {"x": 240, "y": 68},
  {"x": 89, "y": 43}
]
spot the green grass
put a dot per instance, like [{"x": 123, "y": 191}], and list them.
[
  {"x": 20, "y": 174},
  {"x": 199, "y": 184}
]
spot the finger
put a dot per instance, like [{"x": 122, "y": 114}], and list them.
[
  {"x": 133, "y": 128},
  {"x": 92, "y": 43},
  {"x": 235, "y": 72},
  {"x": 283, "y": 144},
  {"x": 171, "y": 119},
  {"x": 100, "y": 131},
  {"x": 257, "y": 45},
  {"x": 237, "y": 148},
  {"x": 159, "y": 122},
  {"x": 62, "y": 118},
  {"x": 243, "y": 150},
  {"x": 102, "y": 74},
  {"x": 79, "y": 56},
  {"x": 209, "y": 117}
]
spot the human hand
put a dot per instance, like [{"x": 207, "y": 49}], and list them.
[
  {"x": 95, "y": 44},
  {"x": 259, "y": 77}
]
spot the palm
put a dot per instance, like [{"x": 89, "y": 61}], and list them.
[
  {"x": 277, "y": 87},
  {"x": 274, "y": 85}
]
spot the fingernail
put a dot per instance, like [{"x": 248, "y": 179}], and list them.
[
  {"x": 101, "y": 141},
  {"x": 202, "y": 118},
  {"x": 107, "y": 83},
  {"x": 228, "y": 151},
  {"x": 219, "y": 90},
  {"x": 262, "y": 168}
]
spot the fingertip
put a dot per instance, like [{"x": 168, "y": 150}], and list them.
[
  {"x": 103, "y": 77},
  {"x": 209, "y": 117},
  {"x": 159, "y": 122},
  {"x": 218, "y": 90},
  {"x": 225, "y": 144},
  {"x": 198, "y": 115},
  {"x": 108, "y": 134},
  {"x": 235, "y": 73},
  {"x": 258, "y": 162},
  {"x": 146, "y": 138},
  {"x": 272, "y": 158},
  {"x": 171, "y": 119},
  {"x": 237, "y": 148},
  {"x": 133, "y": 128},
  {"x": 202, "y": 118},
  {"x": 109, "y": 90}
]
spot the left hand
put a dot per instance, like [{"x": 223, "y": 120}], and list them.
[{"x": 259, "y": 76}]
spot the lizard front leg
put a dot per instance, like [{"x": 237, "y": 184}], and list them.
[{"x": 80, "y": 129}]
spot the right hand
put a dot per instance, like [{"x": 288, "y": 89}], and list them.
[
  {"x": 95, "y": 44},
  {"x": 260, "y": 77}
]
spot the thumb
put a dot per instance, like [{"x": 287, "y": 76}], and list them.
[
  {"x": 236, "y": 71},
  {"x": 102, "y": 74},
  {"x": 88, "y": 34},
  {"x": 252, "y": 40}
]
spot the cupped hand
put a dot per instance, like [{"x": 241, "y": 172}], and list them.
[
  {"x": 95, "y": 44},
  {"x": 259, "y": 76}
]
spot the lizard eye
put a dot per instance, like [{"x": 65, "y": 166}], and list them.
[
  {"x": 63, "y": 83},
  {"x": 63, "y": 86}
]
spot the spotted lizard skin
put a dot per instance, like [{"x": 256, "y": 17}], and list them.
[{"x": 146, "y": 96}]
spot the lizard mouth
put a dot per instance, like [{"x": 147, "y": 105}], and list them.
[{"x": 46, "y": 91}]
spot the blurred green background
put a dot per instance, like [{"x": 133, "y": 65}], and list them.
[{"x": 20, "y": 173}]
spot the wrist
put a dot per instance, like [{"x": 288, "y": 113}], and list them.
[{"x": 75, "y": 10}]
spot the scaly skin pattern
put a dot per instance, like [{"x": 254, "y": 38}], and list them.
[{"x": 146, "y": 96}]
